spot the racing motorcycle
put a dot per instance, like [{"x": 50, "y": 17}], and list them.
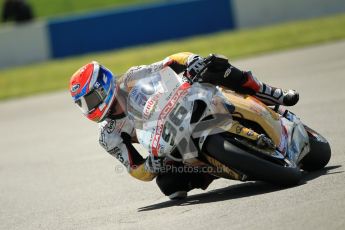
[{"x": 234, "y": 136}]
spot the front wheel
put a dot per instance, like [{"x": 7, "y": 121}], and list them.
[
  {"x": 229, "y": 153},
  {"x": 320, "y": 152}
]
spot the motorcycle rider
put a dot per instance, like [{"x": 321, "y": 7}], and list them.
[{"x": 96, "y": 92}]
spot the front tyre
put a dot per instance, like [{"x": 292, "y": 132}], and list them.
[
  {"x": 320, "y": 152},
  {"x": 227, "y": 152}
]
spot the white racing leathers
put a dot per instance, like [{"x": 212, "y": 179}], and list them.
[
  {"x": 111, "y": 140},
  {"x": 116, "y": 133}
]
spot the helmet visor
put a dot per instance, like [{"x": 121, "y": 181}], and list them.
[{"x": 91, "y": 100}]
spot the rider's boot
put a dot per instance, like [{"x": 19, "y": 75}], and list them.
[
  {"x": 178, "y": 195},
  {"x": 201, "y": 181},
  {"x": 268, "y": 94},
  {"x": 177, "y": 185}
]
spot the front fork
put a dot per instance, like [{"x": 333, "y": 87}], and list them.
[
  {"x": 260, "y": 139},
  {"x": 224, "y": 171}
]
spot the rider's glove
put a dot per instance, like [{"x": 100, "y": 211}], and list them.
[
  {"x": 207, "y": 69},
  {"x": 195, "y": 64}
]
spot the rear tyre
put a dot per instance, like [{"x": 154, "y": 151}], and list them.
[
  {"x": 227, "y": 152},
  {"x": 320, "y": 152}
]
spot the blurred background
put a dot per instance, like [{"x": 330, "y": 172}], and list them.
[{"x": 42, "y": 43}]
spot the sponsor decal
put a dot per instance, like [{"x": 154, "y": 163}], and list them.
[
  {"x": 117, "y": 153},
  {"x": 133, "y": 70},
  {"x": 75, "y": 88},
  {"x": 111, "y": 126},
  {"x": 138, "y": 97},
  {"x": 97, "y": 85},
  {"x": 102, "y": 140},
  {"x": 181, "y": 91},
  {"x": 250, "y": 133},
  {"x": 228, "y": 72},
  {"x": 223, "y": 169},
  {"x": 150, "y": 106},
  {"x": 239, "y": 129},
  {"x": 156, "y": 66}
]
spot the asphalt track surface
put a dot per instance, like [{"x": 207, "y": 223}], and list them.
[{"x": 54, "y": 175}]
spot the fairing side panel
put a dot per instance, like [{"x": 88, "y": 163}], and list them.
[{"x": 254, "y": 110}]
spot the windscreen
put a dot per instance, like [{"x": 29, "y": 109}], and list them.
[{"x": 149, "y": 96}]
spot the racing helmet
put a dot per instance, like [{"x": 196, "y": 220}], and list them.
[{"x": 93, "y": 89}]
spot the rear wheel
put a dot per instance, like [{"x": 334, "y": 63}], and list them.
[
  {"x": 232, "y": 155},
  {"x": 320, "y": 152}
]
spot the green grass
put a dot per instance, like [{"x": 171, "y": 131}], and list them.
[
  {"x": 54, "y": 75},
  {"x": 52, "y": 8}
]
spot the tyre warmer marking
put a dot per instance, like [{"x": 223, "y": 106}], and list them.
[{"x": 232, "y": 174}]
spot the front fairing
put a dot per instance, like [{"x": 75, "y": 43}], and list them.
[
  {"x": 150, "y": 103},
  {"x": 297, "y": 139},
  {"x": 161, "y": 106},
  {"x": 287, "y": 133}
]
